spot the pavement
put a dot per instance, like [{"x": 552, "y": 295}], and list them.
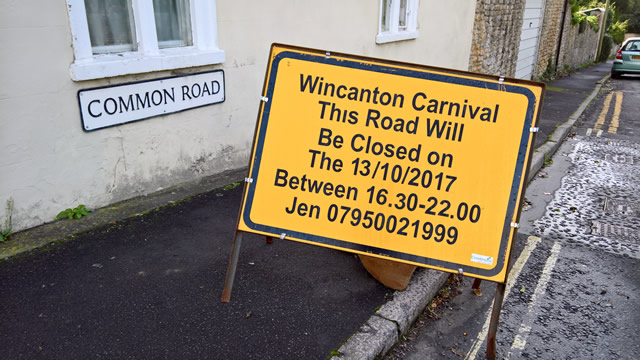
[{"x": 143, "y": 278}]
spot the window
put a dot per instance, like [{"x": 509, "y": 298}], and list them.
[
  {"x": 110, "y": 26},
  {"x": 398, "y": 20},
  {"x": 119, "y": 37},
  {"x": 173, "y": 24},
  {"x": 632, "y": 46}
]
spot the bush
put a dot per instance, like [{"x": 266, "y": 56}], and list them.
[
  {"x": 549, "y": 73},
  {"x": 605, "y": 49},
  {"x": 593, "y": 22},
  {"x": 617, "y": 30}
]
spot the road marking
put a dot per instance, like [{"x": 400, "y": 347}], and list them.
[
  {"x": 599, "y": 133},
  {"x": 589, "y": 131},
  {"x": 603, "y": 114},
  {"x": 520, "y": 340},
  {"x": 532, "y": 242},
  {"x": 615, "y": 121}
]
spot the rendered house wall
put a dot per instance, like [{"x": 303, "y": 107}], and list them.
[{"x": 48, "y": 163}]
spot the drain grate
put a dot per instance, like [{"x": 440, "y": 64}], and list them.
[
  {"x": 608, "y": 230},
  {"x": 619, "y": 158},
  {"x": 621, "y": 207}
]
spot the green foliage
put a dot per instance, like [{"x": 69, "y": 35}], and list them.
[
  {"x": 613, "y": 15},
  {"x": 576, "y": 18},
  {"x": 231, "y": 186},
  {"x": 593, "y": 22},
  {"x": 587, "y": 64},
  {"x": 627, "y": 6},
  {"x": 617, "y": 30},
  {"x": 549, "y": 72},
  {"x": 617, "y": 12},
  {"x": 634, "y": 21},
  {"x": 605, "y": 50},
  {"x": 627, "y": 10},
  {"x": 583, "y": 19},
  {"x": 4, "y": 234},
  {"x": 6, "y": 230},
  {"x": 75, "y": 213}
]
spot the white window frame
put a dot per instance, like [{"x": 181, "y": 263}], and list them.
[
  {"x": 394, "y": 33},
  {"x": 148, "y": 56}
]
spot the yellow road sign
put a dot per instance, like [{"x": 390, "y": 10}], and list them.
[{"x": 421, "y": 165}]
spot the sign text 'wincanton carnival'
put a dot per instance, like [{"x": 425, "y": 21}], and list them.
[{"x": 420, "y": 165}]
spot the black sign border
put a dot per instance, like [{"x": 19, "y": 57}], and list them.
[{"x": 345, "y": 61}]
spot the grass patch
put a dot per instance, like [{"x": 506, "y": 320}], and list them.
[
  {"x": 231, "y": 186},
  {"x": 551, "y": 88}
]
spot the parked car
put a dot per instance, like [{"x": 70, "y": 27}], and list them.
[{"x": 627, "y": 59}]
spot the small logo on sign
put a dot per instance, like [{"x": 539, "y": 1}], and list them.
[{"x": 482, "y": 259}]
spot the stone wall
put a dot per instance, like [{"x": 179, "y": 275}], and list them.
[
  {"x": 549, "y": 35},
  {"x": 579, "y": 46},
  {"x": 496, "y": 37}
]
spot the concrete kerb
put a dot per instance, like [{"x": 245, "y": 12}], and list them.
[
  {"x": 374, "y": 338},
  {"x": 384, "y": 328},
  {"x": 546, "y": 150}
]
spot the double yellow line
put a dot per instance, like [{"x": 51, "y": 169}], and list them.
[{"x": 615, "y": 121}]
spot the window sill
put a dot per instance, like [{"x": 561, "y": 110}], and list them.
[
  {"x": 101, "y": 66},
  {"x": 399, "y": 36}
]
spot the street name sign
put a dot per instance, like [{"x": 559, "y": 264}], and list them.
[
  {"x": 119, "y": 104},
  {"x": 405, "y": 162}
]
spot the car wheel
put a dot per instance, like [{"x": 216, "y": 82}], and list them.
[{"x": 615, "y": 75}]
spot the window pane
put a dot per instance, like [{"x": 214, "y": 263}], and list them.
[
  {"x": 111, "y": 28},
  {"x": 632, "y": 46},
  {"x": 173, "y": 23},
  {"x": 402, "y": 19},
  {"x": 386, "y": 15}
]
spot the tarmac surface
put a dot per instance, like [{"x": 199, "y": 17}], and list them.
[
  {"x": 129, "y": 281},
  {"x": 574, "y": 291},
  {"x": 150, "y": 287},
  {"x": 564, "y": 96}
]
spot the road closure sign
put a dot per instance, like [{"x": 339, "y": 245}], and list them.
[{"x": 420, "y": 165}]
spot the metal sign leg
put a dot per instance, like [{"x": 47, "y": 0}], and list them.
[
  {"x": 231, "y": 269},
  {"x": 495, "y": 316},
  {"x": 476, "y": 284}
]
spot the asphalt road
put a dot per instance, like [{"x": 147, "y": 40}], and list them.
[
  {"x": 575, "y": 288},
  {"x": 563, "y": 96},
  {"x": 150, "y": 287}
]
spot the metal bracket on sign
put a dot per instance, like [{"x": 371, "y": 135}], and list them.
[
  {"x": 460, "y": 271},
  {"x": 515, "y": 225},
  {"x": 534, "y": 129},
  {"x": 264, "y": 98},
  {"x": 248, "y": 180},
  {"x": 282, "y": 236},
  {"x": 327, "y": 55}
]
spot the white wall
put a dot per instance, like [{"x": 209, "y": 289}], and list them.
[{"x": 47, "y": 163}]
